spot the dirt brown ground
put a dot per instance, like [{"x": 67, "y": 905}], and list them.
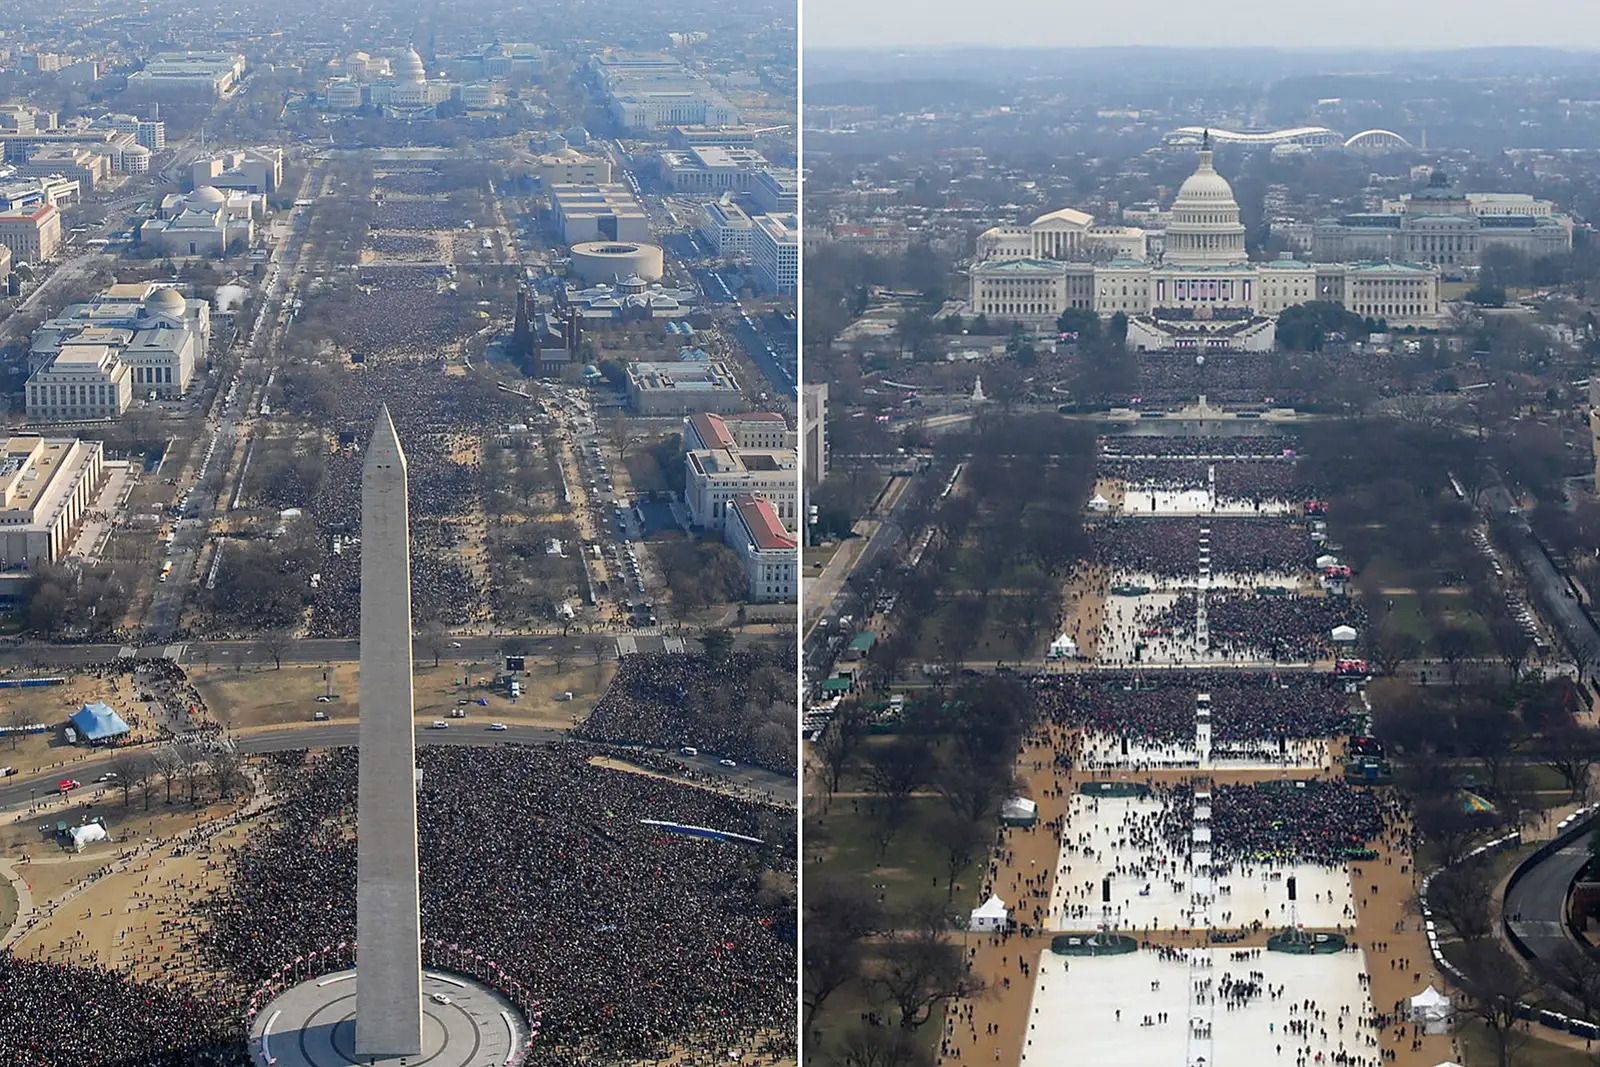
[
  {"x": 1387, "y": 928},
  {"x": 264, "y": 696},
  {"x": 51, "y": 705}
]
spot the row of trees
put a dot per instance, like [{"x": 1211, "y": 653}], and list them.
[
  {"x": 197, "y": 774},
  {"x": 960, "y": 744}
]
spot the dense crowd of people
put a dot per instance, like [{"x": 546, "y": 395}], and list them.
[
  {"x": 1172, "y": 547},
  {"x": 395, "y": 244},
  {"x": 1283, "y": 628},
  {"x": 669, "y": 700},
  {"x": 1162, "y": 707},
  {"x": 397, "y": 310},
  {"x": 634, "y": 939},
  {"x": 1281, "y": 823},
  {"x": 57, "y": 1015},
  {"x": 434, "y": 424},
  {"x": 1180, "y": 445}
]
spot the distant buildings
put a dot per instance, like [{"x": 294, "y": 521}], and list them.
[
  {"x": 151, "y": 133},
  {"x": 88, "y": 168},
  {"x": 401, "y": 87},
  {"x": 5, "y": 265},
  {"x": 1202, "y": 294},
  {"x": 497, "y": 62},
  {"x": 775, "y": 189},
  {"x": 605, "y": 212},
  {"x": 187, "y": 75},
  {"x": 32, "y": 233},
  {"x": 568, "y": 166},
  {"x": 679, "y": 388},
  {"x": 726, "y": 227},
  {"x": 775, "y": 252},
  {"x": 19, "y": 194},
  {"x": 1445, "y": 227},
  {"x": 769, "y": 552},
  {"x": 46, "y": 486},
  {"x": 88, "y": 362},
  {"x": 252, "y": 170},
  {"x": 650, "y": 90},
  {"x": 710, "y": 170},
  {"x": 202, "y": 223}
]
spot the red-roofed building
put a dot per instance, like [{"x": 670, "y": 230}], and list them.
[
  {"x": 745, "y": 429},
  {"x": 33, "y": 233},
  {"x": 770, "y": 553}
]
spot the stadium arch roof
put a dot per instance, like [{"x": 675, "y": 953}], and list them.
[
  {"x": 1377, "y": 139},
  {"x": 1310, "y": 136}
]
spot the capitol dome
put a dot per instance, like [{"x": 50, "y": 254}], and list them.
[
  {"x": 166, "y": 302},
  {"x": 410, "y": 69},
  {"x": 1205, "y": 230}
]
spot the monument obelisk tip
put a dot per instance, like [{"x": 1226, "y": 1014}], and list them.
[{"x": 385, "y": 443}]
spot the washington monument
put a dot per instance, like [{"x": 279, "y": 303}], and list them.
[{"x": 388, "y": 915}]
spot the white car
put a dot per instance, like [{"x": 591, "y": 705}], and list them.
[
  {"x": 727, "y": 763},
  {"x": 497, "y": 726},
  {"x": 441, "y": 998}
]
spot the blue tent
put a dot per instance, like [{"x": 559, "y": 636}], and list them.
[{"x": 97, "y": 722}]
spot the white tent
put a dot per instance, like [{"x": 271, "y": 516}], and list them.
[
  {"x": 1019, "y": 810},
  {"x": 1432, "y": 1010},
  {"x": 1327, "y": 561},
  {"x": 1099, "y": 503},
  {"x": 1063, "y": 647},
  {"x": 87, "y": 834},
  {"x": 1344, "y": 634},
  {"x": 992, "y": 914}
]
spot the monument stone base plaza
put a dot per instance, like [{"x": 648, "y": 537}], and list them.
[{"x": 313, "y": 1024}]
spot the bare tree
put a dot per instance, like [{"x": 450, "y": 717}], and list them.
[
  {"x": 435, "y": 638},
  {"x": 191, "y": 765},
  {"x": 169, "y": 767},
  {"x": 18, "y": 718},
  {"x": 125, "y": 765},
  {"x": 1495, "y": 985},
  {"x": 920, "y": 969},
  {"x": 227, "y": 771},
  {"x": 276, "y": 642}
]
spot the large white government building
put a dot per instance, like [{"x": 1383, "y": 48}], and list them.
[
  {"x": 46, "y": 485},
  {"x": 1202, "y": 292},
  {"x": 1446, "y": 227},
  {"x": 137, "y": 338}
]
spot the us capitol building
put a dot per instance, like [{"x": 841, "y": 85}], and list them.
[{"x": 1201, "y": 294}]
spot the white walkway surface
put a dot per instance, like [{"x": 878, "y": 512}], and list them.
[
  {"x": 1153, "y": 886},
  {"x": 1075, "y": 1003}
]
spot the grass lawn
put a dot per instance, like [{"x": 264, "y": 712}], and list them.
[
  {"x": 1479, "y": 1047},
  {"x": 644, "y": 473},
  {"x": 998, "y": 639},
  {"x": 8, "y": 905},
  {"x": 911, "y": 871}
]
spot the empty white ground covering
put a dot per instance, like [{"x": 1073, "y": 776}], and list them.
[
  {"x": 1074, "y": 1019},
  {"x": 1197, "y": 502},
  {"x": 1153, "y": 887}
]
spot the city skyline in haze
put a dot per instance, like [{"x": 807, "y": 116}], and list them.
[{"x": 1439, "y": 24}]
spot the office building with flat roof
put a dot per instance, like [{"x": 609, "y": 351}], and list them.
[
  {"x": 710, "y": 170},
  {"x": 606, "y": 212},
  {"x": 680, "y": 388},
  {"x": 726, "y": 227},
  {"x": 775, "y": 252},
  {"x": 32, "y": 234},
  {"x": 46, "y": 486},
  {"x": 714, "y": 476},
  {"x": 155, "y": 334},
  {"x": 187, "y": 75}
]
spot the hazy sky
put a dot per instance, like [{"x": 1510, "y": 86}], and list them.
[{"x": 1411, "y": 24}]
